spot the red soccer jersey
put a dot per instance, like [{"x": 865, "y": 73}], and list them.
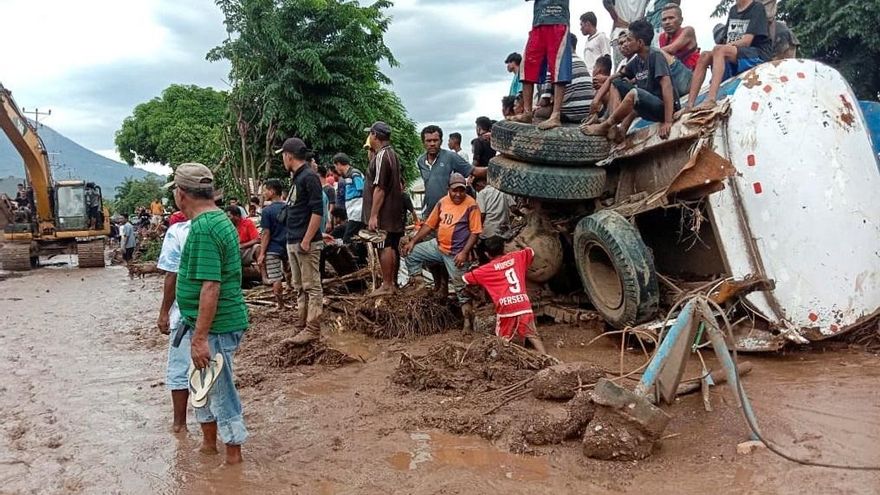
[{"x": 505, "y": 280}]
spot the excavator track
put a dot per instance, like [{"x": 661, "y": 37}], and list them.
[
  {"x": 90, "y": 254},
  {"x": 16, "y": 256}
]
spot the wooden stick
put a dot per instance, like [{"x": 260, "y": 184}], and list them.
[{"x": 719, "y": 376}]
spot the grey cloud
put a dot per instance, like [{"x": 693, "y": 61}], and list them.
[
  {"x": 442, "y": 62},
  {"x": 440, "y": 67},
  {"x": 111, "y": 91}
]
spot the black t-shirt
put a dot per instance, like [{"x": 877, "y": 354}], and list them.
[
  {"x": 330, "y": 191},
  {"x": 483, "y": 152},
  {"x": 647, "y": 73},
  {"x": 384, "y": 173},
  {"x": 338, "y": 232},
  {"x": 306, "y": 199},
  {"x": 752, "y": 20}
]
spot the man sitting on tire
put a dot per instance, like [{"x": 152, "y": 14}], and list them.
[
  {"x": 653, "y": 97},
  {"x": 456, "y": 219}
]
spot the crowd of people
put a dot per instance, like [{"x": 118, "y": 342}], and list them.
[
  {"x": 458, "y": 237},
  {"x": 650, "y": 62},
  {"x": 338, "y": 206}
]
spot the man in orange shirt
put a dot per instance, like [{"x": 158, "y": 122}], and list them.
[
  {"x": 248, "y": 237},
  {"x": 157, "y": 211},
  {"x": 456, "y": 218}
]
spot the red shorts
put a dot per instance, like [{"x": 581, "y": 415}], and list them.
[
  {"x": 547, "y": 50},
  {"x": 520, "y": 327}
]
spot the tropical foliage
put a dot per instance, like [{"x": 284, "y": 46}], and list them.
[
  {"x": 311, "y": 69},
  {"x": 182, "y": 125},
  {"x": 134, "y": 193}
]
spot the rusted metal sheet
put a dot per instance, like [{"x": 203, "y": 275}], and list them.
[{"x": 689, "y": 127}]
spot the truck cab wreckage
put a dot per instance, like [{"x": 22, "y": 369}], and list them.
[{"x": 767, "y": 202}]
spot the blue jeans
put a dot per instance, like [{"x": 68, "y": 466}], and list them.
[
  {"x": 681, "y": 77},
  {"x": 746, "y": 58},
  {"x": 646, "y": 105},
  {"x": 223, "y": 405},
  {"x": 429, "y": 252},
  {"x": 176, "y": 375}
]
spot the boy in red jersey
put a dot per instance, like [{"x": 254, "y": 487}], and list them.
[{"x": 504, "y": 278}]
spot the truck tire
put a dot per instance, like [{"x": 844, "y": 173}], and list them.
[
  {"x": 16, "y": 256},
  {"x": 564, "y": 146},
  {"x": 616, "y": 268},
  {"x": 90, "y": 254},
  {"x": 548, "y": 183}
]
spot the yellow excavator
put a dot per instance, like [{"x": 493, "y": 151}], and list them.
[{"x": 64, "y": 217}]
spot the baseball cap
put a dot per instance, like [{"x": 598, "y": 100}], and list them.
[
  {"x": 379, "y": 127},
  {"x": 192, "y": 176},
  {"x": 295, "y": 146},
  {"x": 457, "y": 180}
]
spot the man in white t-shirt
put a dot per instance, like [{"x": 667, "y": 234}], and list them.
[
  {"x": 596, "y": 44},
  {"x": 454, "y": 143},
  {"x": 170, "y": 323},
  {"x": 623, "y": 12}
]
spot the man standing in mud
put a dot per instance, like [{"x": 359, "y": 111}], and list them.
[
  {"x": 169, "y": 323},
  {"x": 305, "y": 210},
  {"x": 383, "y": 203},
  {"x": 211, "y": 304}
]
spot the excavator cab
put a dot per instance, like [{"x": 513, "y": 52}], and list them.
[{"x": 77, "y": 205}]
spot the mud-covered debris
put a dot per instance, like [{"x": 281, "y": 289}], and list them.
[
  {"x": 405, "y": 314},
  {"x": 625, "y": 426},
  {"x": 288, "y": 354},
  {"x": 465, "y": 423},
  {"x": 562, "y": 381},
  {"x": 746, "y": 448},
  {"x": 558, "y": 423},
  {"x": 484, "y": 364},
  {"x": 141, "y": 268}
]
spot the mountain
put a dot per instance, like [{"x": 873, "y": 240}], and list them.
[{"x": 72, "y": 162}]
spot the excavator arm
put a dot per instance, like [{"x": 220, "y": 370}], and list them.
[{"x": 36, "y": 161}]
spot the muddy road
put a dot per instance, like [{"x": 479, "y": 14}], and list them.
[{"x": 84, "y": 410}]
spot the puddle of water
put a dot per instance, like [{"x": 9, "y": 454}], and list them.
[
  {"x": 435, "y": 450},
  {"x": 318, "y": 388},
  {"x": 354, "y": 344}
]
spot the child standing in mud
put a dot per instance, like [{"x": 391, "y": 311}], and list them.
[{"x": 504, "y": 278}]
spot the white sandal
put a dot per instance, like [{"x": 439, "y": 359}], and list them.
[{"x": 201, "y": 380}]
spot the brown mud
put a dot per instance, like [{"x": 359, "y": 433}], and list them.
[{"x": 84, "y": 410}]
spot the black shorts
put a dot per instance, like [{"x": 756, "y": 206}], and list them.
[
  {"x": 128, "y": 254},
  {"x": 392, "y": 240}
]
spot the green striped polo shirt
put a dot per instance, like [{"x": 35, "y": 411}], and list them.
[{"x": 211, "y": 253}]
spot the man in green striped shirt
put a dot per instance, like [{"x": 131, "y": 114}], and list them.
[{"x": 211, "y": 304}]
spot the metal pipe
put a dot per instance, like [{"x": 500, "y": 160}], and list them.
[
  {"x": 662, "y": 353},
  {"x": 716, "y": 336}
]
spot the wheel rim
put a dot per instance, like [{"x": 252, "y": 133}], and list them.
[{"x": 603, "y": 277}]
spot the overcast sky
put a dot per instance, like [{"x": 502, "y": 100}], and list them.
[{"x": 92, "y": 61}]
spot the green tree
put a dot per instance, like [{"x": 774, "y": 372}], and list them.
[
  {"x": 307, "y": 68},
  {"x": 184, "y": 124},
  {"x": 134, "y": 193},
  {"x": 845, "y": 35}
]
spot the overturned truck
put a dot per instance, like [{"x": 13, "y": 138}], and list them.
[{"x": 777, "y": 188}]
